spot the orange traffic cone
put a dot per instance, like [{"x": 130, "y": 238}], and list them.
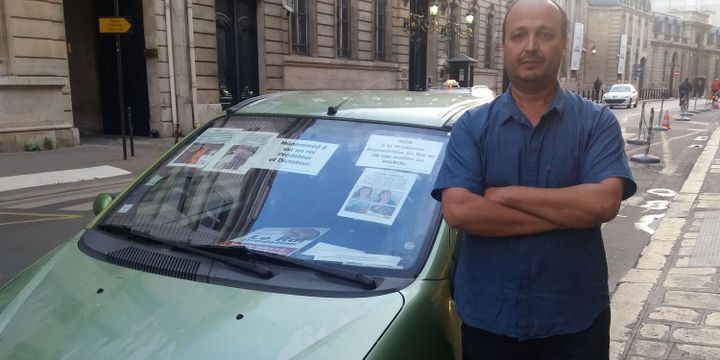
[{"x": 666, "y": 120}]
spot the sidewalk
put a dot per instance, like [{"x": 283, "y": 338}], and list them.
[
  {"x": 668, "y": 305},
  {"x": 93, "y": 152}
]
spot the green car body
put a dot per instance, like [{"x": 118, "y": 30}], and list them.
[{"x": 69, "y": 305}]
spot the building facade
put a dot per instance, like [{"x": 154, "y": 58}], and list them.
[
  {"x": 685, "y": 45},
  {"x": 35, "y": 105},
  {"x": 709, "y": 7},
  {"x": 619, "y": 31},
  {"x": 184, "y": 61},
  {"x": 570, "y": 74}
]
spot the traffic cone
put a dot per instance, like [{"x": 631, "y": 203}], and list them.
[{"x": 666, "y": 120}]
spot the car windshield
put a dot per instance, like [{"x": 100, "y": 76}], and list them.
[
  {"x": 619, "y": 88},
  {"x": 344, "y": 193}
]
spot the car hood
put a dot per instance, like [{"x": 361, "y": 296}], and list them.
[
  {"x": 618, "y": 94},
  {"x": 70, "y": 306}
]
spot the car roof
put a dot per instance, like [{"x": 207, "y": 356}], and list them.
[{"x": 432, "y": 109}]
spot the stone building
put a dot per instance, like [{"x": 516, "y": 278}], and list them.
[
  {"x": 34, "y": 81},
  {"x": 183, "y": 61},
  {"x": 620, "y": 32},
  {"x": 684, "y": 45},
  {"x": 570, "y": 74}
]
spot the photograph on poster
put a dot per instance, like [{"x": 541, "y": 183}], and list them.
[
  {"x": 205, "y": 149},
  {"x": 378, "y": 195},
  {"x": 242, "y": 153}
]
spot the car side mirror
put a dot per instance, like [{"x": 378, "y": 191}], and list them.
[{"x": 101, "y": 202}]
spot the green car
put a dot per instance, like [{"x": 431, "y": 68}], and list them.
[{"x": 299, "y": 225}]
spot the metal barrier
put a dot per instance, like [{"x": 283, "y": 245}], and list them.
[{"x": 646, "y": 158}]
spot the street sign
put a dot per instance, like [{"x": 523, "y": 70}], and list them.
[
  {"x": 676, "y": 73},
  {"x": 114, "y": 25}
]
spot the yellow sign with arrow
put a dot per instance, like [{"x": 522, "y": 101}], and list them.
[{"x": 114, "y": 25}]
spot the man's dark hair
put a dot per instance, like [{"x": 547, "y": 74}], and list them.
[{"x": 564, "y": 22}]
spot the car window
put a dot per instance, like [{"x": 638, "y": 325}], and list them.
[
  {"x": 620, "y": 88},
  {"x": 348, "y": 194}
]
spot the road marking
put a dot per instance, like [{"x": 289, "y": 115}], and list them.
[
  {"x": 662, "y": 192},
  {"x": 667, "y": 153},
  {"x": 43, "y": 217},
  {"x": 59, "y": 177},
  {"x": 80, "y": 207},
  {"x": 58, "y": 198}
]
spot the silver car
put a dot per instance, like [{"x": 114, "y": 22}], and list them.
[{"x": 621, "y": 95}]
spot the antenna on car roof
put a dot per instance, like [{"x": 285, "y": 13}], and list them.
[{"x": 332, "y": 110}]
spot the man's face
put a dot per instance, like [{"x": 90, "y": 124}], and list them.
[{"x": 534, "y": 45}]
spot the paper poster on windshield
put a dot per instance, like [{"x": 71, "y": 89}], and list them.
[
  {"x": 205, "y": 149},
  {"x": 241, "y": 153},
  {"x": 298, "y": 156},
  {"x": 378, "y": 196},
  {"x": 360, "y": 259},
  {"x": 280, "y": 240},
  {"x": 400, "y": 153}
]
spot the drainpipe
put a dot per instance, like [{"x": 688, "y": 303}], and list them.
[
  {"x": 193, "y": 71},
  {"x": 171, "y": 65}
]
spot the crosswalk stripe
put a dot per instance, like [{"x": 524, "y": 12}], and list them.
[{"x": 59, "y": 177}]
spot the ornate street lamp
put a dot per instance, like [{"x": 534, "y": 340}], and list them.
[{"x": 414, "y": 23}]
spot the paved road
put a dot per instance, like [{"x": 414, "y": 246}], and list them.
[{"x": 35, "y": 220}]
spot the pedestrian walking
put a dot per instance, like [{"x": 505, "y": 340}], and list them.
[
  {"x": 597, "y": 85},
  {"x": 529, "y": 178},
  {"x": 685, "y": 89}
]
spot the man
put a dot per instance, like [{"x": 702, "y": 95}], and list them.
[
  {"x": 529, "y": 179},
  {"x": 685, "y": 89},
  {"x": 597, "y": 85},
  {"x": 714, "y": 88}
]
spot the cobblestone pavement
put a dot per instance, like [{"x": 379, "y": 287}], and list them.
[{"x": 668, "y": 305}]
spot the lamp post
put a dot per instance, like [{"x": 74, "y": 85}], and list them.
[
  {"x": 592, "y": 51},
  {"x": 422, "y": 20}
]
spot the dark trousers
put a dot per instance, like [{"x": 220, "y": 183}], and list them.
[{"x": 592, "y": 343}]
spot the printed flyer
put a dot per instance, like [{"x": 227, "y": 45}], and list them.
[
  {"x": 241, "y": 153},
  {"x": 280, "y": 240},
  {"x": 378, "y": 195},
  {"x": 400, "y": 153},
  {"x": 297, "y": 156},
  {"x": 205, "y": 149}
]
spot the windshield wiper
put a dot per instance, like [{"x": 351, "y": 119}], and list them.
[
  {"x": 257, "y": 269},
  {"x": 366, "y": 281}
]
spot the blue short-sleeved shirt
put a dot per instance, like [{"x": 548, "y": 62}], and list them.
[{"x": 549, "y": 283}]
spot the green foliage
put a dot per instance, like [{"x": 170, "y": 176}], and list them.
[
  {"x": 32, "y": 147},
  {"x": 47, "y": 143}
]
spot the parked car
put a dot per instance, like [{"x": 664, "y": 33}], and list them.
[
  {"x": 481, "y": 91},
  {"x": 621, "y": 95},
  {"x": 297, "y": 225}
]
